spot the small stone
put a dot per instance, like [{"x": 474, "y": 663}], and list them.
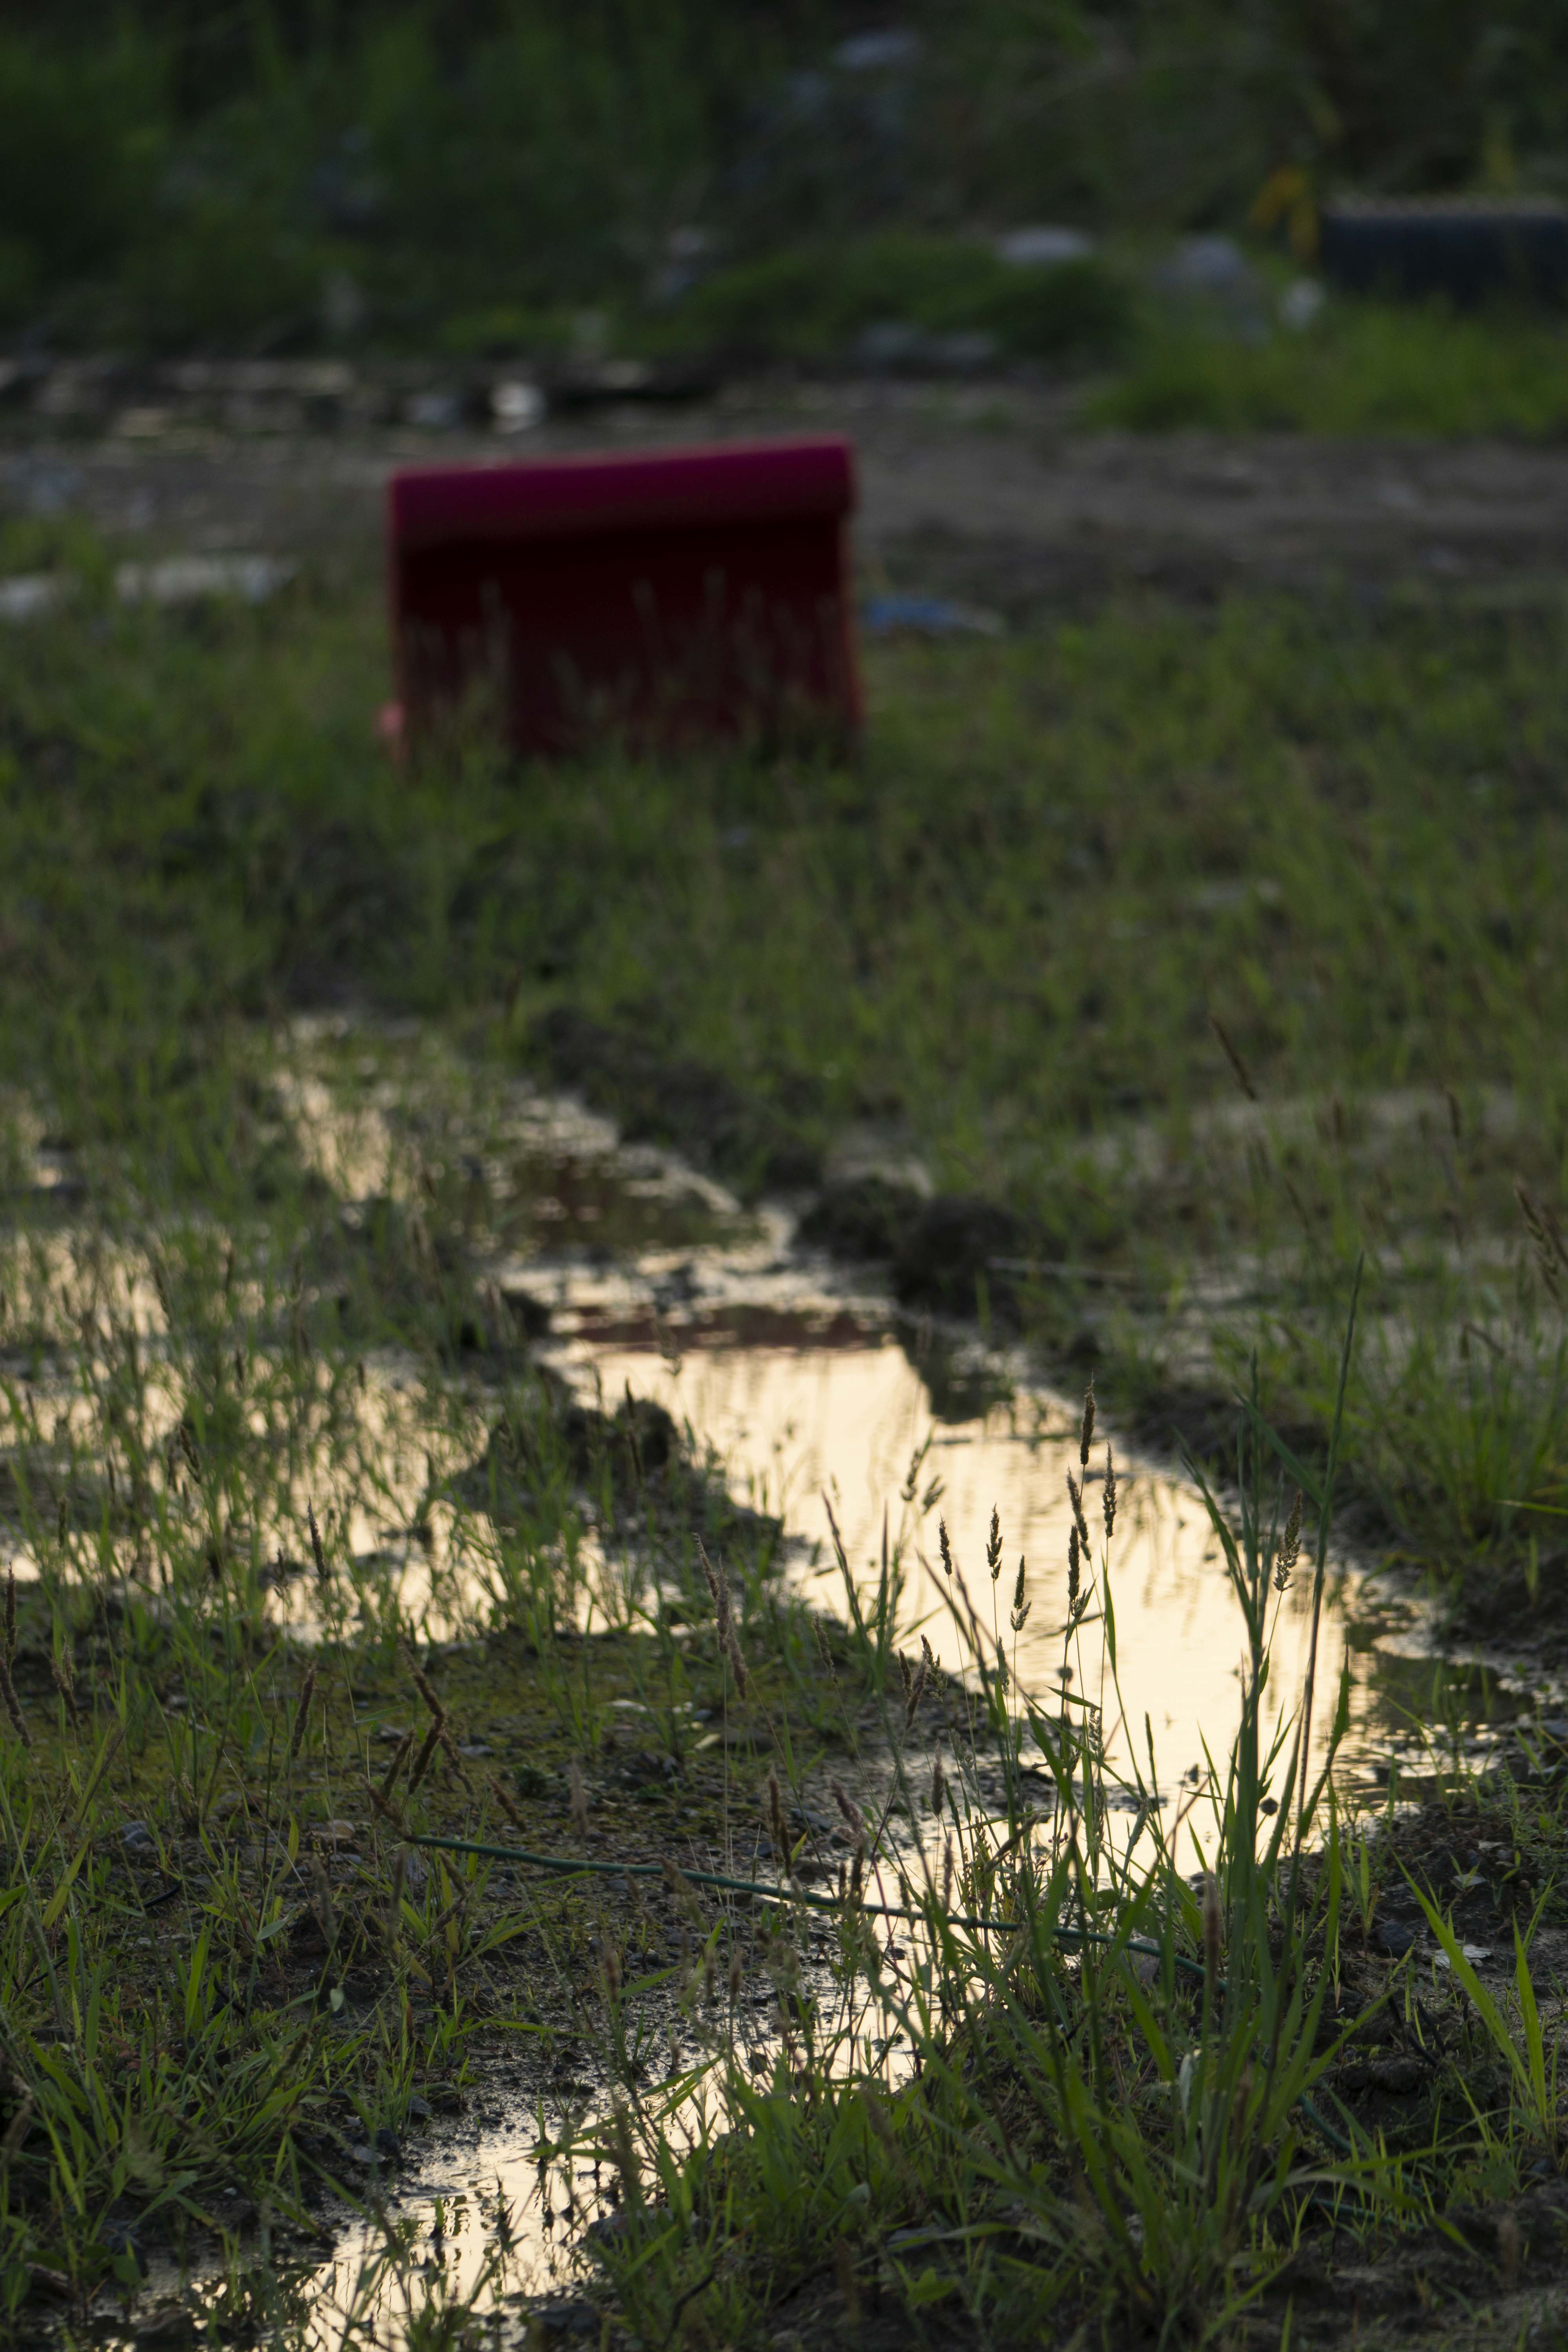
[
  {"x": 336, "y": 1837},
  {"x": 554, "y": 2316},
  {"x": 166, "y": 2323}
]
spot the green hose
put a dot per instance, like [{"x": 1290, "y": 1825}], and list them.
[{"x": 1070, "y": 1938}]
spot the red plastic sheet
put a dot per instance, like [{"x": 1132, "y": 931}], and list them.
[{"x": 663, "y": 596}]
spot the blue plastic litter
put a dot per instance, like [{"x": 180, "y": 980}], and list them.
[{"x": 929, "y": 616}]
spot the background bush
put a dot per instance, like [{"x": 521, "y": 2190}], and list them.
[{"x": 180, "y": 176}]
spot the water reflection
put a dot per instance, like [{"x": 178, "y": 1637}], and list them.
[
  {"x": 795, "y": 1423},
  {"x": 654, "y": 1281}
]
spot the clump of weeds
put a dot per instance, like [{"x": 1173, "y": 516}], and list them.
[{"x": 1111, "y": 2060}]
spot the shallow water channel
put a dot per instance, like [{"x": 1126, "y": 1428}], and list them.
[{"x": 807, "y": 1385}]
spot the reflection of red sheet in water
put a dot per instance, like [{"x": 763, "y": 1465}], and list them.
[{"x": 668, "y": 595}]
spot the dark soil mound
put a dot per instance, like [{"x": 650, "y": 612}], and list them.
[
  {"x": 955, "y": 1255},
  {"x": 657, "y": 1098},
  {"x": 960, "y": 1255},
  {"x": 861, "y": 1217},
  {"x": 634, "y": 1457}
]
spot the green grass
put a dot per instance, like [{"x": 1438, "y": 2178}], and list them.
[
  {"x": 1002, "y": 937},
  {"x": 223, "y": 1969},
  {"x": 1362, "y": 367},
  {"x": 998, "y": 936},
  {"x": 813, "y": 304},
  {"x": 1139, "y": 2109}
]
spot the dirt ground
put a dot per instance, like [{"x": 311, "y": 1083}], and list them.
[{"x": 975, "y": 490}]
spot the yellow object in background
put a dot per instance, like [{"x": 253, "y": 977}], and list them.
[{"x": 1286, "y": 197}]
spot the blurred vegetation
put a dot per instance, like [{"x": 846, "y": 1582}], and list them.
[
  {"x": 1360, "y": 367},
  {"x": 277, "y": 176}
]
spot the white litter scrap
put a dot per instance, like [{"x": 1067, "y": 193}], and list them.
[
  {"x": 181, "y": 579},
  {"x": 178, "y": 580},
  {"x": 28, "y": 594},
  {"x": 1301, "y": 304},
  {"x": 516, "y": 406},
  {"x": 1044, "y": 246}
]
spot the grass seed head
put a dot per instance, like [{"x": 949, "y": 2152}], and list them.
[
  {"x": 515, "y": 1817},
  {"x": 425, "y": 1756},
  {"x": 993, "y": 1546},
  {"x": 60, "y": 1667},
  {"x": 937, "y": 1783},
  {"x": 399, "y": 1757},
  {"x": 1238, "y": 1069},
  {"x": 1289, "y": 1546},
  {"x": 12, "y": 1704},
  {"x": 737, "y": 1662},
  {"x": 1109, "y": 1495},
  {"x": 317, "y": 1554},
  {"x": 943, "y": 1546},
  {"x": 426, "y": 1690},
  {"x": 1073, "y": 1571},
  {"x": 1021, "y": 1606},
  {"x": 719, "y": 1586},
  {"x": 454, "y": 1755},
  {"x": 1075, "y": 1496},
  {"x": 1085, "y": 1434},
  {"x": 847, "y": 1806},
  {"x": 684, "y": 1893},
  {"x": 1546, "y": 1240},
  {"x": 302, "y": 1717}
]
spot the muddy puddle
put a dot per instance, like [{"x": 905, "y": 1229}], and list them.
[
  {"x": 639, "y": 1277},
  {"x": 632, "y": 1275}
]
